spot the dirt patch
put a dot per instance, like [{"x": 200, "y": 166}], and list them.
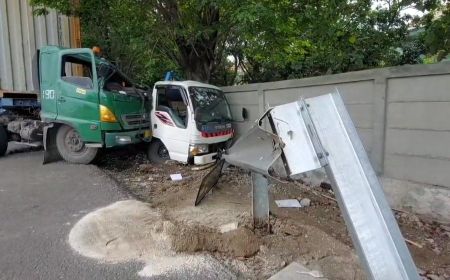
[
  {"x": 316, "y": 235},
  {"x": 240, "y": 242},
  {"x": 186, "y": 267},
  {"x": 132, "y": 231},
  {"x": 125, "y": 230},
  {"x": 429, "y": 246}
]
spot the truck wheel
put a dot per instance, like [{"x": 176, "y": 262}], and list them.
[
  {"x": 3, "y": 141},
  {"x": 157, "y": 152},
  {"x": 71, "y": 147}
]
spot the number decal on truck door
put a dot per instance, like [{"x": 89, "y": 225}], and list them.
[{"x": 48, "y": 94}]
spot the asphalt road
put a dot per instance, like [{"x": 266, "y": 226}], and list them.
[{"x": 38, "y": 206}]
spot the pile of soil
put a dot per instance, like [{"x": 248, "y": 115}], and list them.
[
  {"x": 131, "y": 230},
  {"x": 315, "y": 236}
]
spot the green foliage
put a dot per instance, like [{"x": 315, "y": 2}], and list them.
[
  {"x": 231, "y": 41},
  {"x": 119, "y": 28},
  {"x": 328, "y": 36},
  {"x": 437, "y": 33},
  {"x": 64, "y": 6}
]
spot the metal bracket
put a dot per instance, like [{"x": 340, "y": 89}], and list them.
[
  {"x": 257, "y": 149},
  {"x": 320, "y": 151}
]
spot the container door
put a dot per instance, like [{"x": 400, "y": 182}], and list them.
[
  {"x": 78, "y": 98},
  {"x": 170, "y": 119}
]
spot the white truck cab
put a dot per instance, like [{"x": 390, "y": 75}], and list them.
[{"x": 191, "y": 121}]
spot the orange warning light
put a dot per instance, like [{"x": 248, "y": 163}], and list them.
[{"x": 97, "y": 50}]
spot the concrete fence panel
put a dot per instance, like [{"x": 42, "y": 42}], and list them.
[{"x": 418, "y": 129}]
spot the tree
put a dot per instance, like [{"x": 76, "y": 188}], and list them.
[
  {"x": 193, "y": 33},
  {"x": 118, "y": 27},
  {"x": 437, "y": 32},
  {"x": 327, "y": 36},
  {"x": 231, "y": 41}
]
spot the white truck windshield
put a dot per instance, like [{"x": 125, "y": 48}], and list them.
[{"x": 209, "y": 105}]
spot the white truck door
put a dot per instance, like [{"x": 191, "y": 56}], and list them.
[{"x": 170, "y": 120}]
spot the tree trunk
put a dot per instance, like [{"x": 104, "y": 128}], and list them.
[
  {"x": 196, "y": 64},
  {"x": 197, "y": 56}
]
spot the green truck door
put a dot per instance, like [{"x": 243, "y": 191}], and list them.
[
  {"x": 48, "y": 75},
  {"x": 77, "y": 97}
]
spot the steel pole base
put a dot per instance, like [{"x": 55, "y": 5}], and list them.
[{"x": 260, "y": 201}]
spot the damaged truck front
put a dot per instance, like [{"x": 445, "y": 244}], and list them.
[{"x": 85, "y": 104}]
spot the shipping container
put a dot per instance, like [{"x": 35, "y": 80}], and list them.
[{"x": 22, "y": 33}]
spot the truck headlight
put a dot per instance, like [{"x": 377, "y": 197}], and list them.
[
  {"x": 198, "y": 149},
  {"x": 106, "y": 115}
]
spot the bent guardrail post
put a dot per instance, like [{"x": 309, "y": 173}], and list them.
[{"x": 371, "y": 223}]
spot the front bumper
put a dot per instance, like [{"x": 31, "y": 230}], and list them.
[
  {"x": 205, "y": 159},
  {"x": 113, "y": 139}
]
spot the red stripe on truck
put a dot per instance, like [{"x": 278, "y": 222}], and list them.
[{"x": 217, "y": 134}]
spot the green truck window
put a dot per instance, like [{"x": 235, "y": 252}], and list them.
[{"x": 77, "y": 70}]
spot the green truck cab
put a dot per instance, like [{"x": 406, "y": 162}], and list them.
[{"x": 87, "y": 104}]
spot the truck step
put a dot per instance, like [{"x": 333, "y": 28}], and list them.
[{"x": 29, "y": 144}]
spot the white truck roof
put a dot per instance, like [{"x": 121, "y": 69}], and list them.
[{"x": 186, "y": 84}]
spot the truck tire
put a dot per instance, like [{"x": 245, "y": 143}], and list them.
[
  {"x": 3, "y": 141},
  {"x": 72, "y": 148},
  {"x": 157, "y": 152}
]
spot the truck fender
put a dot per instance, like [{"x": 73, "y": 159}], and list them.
[
  {"x": 3, "y": 140},
  {"x": 51, "y": 153}
]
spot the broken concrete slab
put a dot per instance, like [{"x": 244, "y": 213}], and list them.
[
  {"x": 228, "y": 227},
  {"x": 288, "y": 203},
  {"x": 296, "y": 271}
]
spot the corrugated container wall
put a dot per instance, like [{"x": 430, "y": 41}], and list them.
[{"x": 21, "y": 34}]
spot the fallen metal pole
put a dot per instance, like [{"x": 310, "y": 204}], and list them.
[{"x": 367, "y": 214}]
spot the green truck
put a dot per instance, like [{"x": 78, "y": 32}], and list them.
[{"x": 84, "y": 103}]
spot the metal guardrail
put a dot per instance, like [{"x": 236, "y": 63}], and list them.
[
  {"x": 314, "y": 133},
  {"x": 371, "y": 223}
]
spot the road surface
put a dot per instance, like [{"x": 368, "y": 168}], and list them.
[{"x": 39, "y": 204}]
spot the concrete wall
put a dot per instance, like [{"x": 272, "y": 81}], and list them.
[{"x": 402, "y": 115}]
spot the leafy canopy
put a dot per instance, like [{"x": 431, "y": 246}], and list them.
[{"x": 231, "y": 41}]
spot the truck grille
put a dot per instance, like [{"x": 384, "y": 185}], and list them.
[
  {"x": 136, "y": 119},
  {"x": 133, "y": 116}
]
